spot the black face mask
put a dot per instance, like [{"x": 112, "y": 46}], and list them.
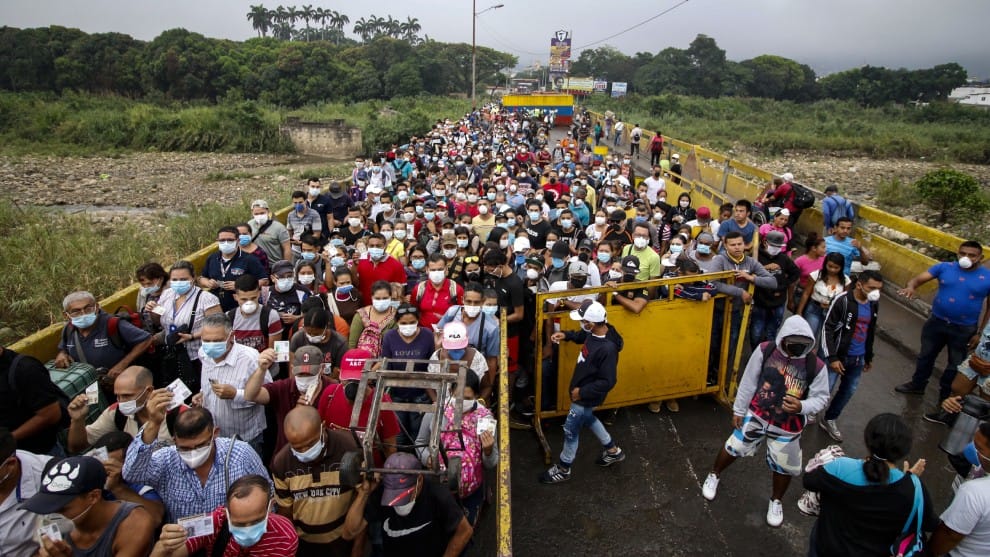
[
  {"x": 579, "y": 282},
  {"x": 795, "y": 349},
  {"x": 350, "y": 390},
  {"x": 474, "y": 276},
  {"x": 656, "y": 174}
]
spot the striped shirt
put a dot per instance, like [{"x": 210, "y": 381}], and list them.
[
  {"x": 279, "y": 540},
  {"x": 234, "y": 415},
  {"x": 180, "y": 315},
  {"x": 178, "y": 485},
  {"x": 312, "y": 490}
]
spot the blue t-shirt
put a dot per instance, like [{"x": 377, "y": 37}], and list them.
[
  {"x": 850, "y": 471},
  {"x": 960, "y": 295},
  {"x": 748, "y": 231},
  {"x": 857, "y": 345},
  {"x": 845, "y": 247}
]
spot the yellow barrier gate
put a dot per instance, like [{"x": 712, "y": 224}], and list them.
[{"x": 647, "y": 371}]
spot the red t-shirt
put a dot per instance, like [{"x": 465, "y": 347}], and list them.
[
  {"x": 336, "y": 410},
  {"x": 279, "y": 540},
  {"x": 785, "y": 194},
  {"x": 436, "y": 301},
  {"x": 389, "y": 270},
  {"x": 283, "y": 395}
]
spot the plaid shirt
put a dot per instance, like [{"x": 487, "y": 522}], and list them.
[{"x": 178, "y": 485}]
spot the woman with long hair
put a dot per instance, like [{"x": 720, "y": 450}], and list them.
[{"x": 825, "y": 285}]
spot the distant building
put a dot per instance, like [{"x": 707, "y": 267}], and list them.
[{"x": 971, "y": 96}]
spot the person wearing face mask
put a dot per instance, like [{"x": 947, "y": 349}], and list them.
[
  {"x": 255, "y": 325},
  {"x": 134, "y": 389},
  {"x": 410, "y": 340},
  {"x": 319, "y": 202},
  {"x": 152, "y": 278},
  {"x": 286, "y": 296},
  {"x": 769, "y": 303},
  {"x": 537, "y": 227},
  {"x": 319, "y": 330},
  {"x": 244, "y": 526},
  {"x": 594, "y": 376},
  {"x": 371, "y": 321},
  {"x": 73, "y": 487},
  {"x": 378, "y": 266},
  {"x": 309, "y": 255},
  {"x": 483, "y": 223},
  {"x": 455, "y": 346},
  {"x": 21, "y": 472},
  {"x": 302, "y": 219},
  {"x": 394, "y": 246},
  {"x": 847, "y": 342},
  {"x": 227, "y": 366},
  {"x": 418, "y": 516},
  {"x": 416, "y": 267},
  {"x": 784, "y": 382},
  {"x": 268, "y": 233},
  {"x": 649, "y": 260},
  {"x": 379, "y": 177},
  {"x": 704, "y": 252},
  {"x": 336, "y": 405},
  {"x": 307, "y": 483},
  {"x": 577, "y": 278},
  {"x": 625, "y": 271},
  {"x": 482, "y": 324},
  {"x": 224, "y": 266},
  {"x": 87, "y": 337},
  {"x": 435, "y": 295}
]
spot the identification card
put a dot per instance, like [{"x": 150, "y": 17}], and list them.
[
  {"x": 99, "y": 454},
  {"x": 486, "y": 424},
  {"x": 158, "y": 310},
  {"x": 51, "y": 532},
  {"x": 180, "y": 392},
  {"x": 281, "y": 351},
  {"x": 197, "y": 525},
  {"x": 93, "y": 394}
]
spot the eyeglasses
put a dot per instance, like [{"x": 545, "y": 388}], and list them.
[{"x": 83, "y": 311}]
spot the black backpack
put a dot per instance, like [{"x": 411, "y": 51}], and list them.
[
  {"x": 802, "y": 196},
  {"x": 262, "y": 321},
  {"x": 63, "y": 399}
]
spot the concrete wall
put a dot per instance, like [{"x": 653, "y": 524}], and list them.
[{"x": 333, "y": 139}]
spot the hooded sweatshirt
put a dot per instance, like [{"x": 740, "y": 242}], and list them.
[
  {"x": 722, "y": 262},
  {"x": 764, "y": 383},
  {"x": 595, "y": 371}
]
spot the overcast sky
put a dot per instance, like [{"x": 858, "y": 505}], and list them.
[{"x": 828, "y": 36}]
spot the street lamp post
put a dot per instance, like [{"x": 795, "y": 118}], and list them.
[{"x": 474, "y": 45}]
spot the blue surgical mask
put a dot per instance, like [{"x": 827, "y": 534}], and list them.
[
  {"x": 214, "y": 349},
  {"x": 345, "y": 288},
  {"x": 604, "y": 257},
  {"x": 456, "y": 354},
  {"x": 84, "y": 321},
  {"x": 557, "y": 262},
  {"x": 247, "y": 536},
  {"x": 511, "y": 222},
  {"x": 704, "y": 249},
  {"x": 244, "y": 239},
  {"x": 336, "y": 242},
  {"x": 381, "y": 305},
  {"x": 490, "y": 196},
  {"x": 308, "y": 255},
  {"x": 535, "y": 215},
  {"x": 181, "y": 286},
  {"x": 336, "y": 261},
  {"x": 566, "y": 223},
  {"x": 149, "y": 290},
  {"x": 376, "y": 253},
  {"x": 300, "y": 207},
  {"x": 676, "y": 248},
  {"x": 489, "y": 310},
  {"x": 428, "y": 215},
  {"x": 520, "y": 259},
  {"x": 419, "y": 264},
  {"x": 394, "y": 304}
]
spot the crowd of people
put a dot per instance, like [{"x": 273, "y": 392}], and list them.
[{"x": 234, "y": 387}]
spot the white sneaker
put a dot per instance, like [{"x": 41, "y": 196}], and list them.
[
  {"x": 808, "y": 503},
  {"x": 775, "y": 513},
  {"x": 710, "y": 487}
]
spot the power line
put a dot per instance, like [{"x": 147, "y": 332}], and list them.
[
  {"x": 640, "y": 24},
  {"x": 498, "y": 39}
]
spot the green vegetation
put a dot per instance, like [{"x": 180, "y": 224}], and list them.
[
  {"x": 940, "y": 131},
  {"x": 952, "y": 194},
  {"x": 59, "y": 253},
  {"x": 894, "y": 193}
]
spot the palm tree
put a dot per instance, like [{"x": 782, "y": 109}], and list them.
[
  {"x": 260, "y": 19},
  {"x": 393, "y": 27},
  {"x": 306, "y": 13},
  {"x": 292, "y": 15},
  {"x": 410, "y": 30},
  {"x": 320, "y": 16},
  {"x": 338, "y": 21},
  {"x": 362, "y": 28},
  {"x": 377, "y": 25}
]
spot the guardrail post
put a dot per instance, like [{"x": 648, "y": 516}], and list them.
[{"x": 725, "y": 174}]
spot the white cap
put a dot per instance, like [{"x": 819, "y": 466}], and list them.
[
  {"x": 259, "y": 203},
  {"x": 589, "y": 311},
  {"x": 675, "y": 157},
  {"x": 787, "y": 176},
  {"x": 520, "y": 244}
]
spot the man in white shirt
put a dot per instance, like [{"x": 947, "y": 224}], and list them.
[
  {"x": 20, "y": 478},
  {"x": 227, "y": 366},
  {"x": 965, "y": 527},
  {"x": 656, "y": 187}
]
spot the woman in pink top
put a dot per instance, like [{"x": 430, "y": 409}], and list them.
[
  {"x": 812, "y": 260},
  {"x": 778, "y": 223}
]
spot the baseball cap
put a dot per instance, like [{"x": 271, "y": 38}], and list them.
[
  {"x": 586, "y": 244},
  {"x": 429, "y": 203},
  {"x": 535, "y": 261},
  {"x": 259, "y": 203},
  {"x": 630, "y": 264},
  {"x": 591, "y": 311},
  {"x": 307, "y": 359},
  {"x": 455, "y": 336},
  {"x": 66, "y": 480},
  {"x": 704, "y": 213},
  {"x": 398, "y": 489},
  {"x": 675, "y": 157},
  {"x": 785, "y": 211},
  {"x": 352, "y": 364},
  {"x": 787, "y": 176},
  {"x": 560, "y": 249},
  {"x": 776, "y": 238},
  {"x": 577, "y": 268},
  {"x": 281, "y": 267},
  {"x": 521, "y": 244}
]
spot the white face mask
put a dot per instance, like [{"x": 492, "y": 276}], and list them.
[
  {"x": 408, "y": 330},
  {"x": 472, "y": 311},
  {"x": 873, "y": 296},
  {"x": 773, "y": 250},
  {"x": 354, "y": 222},
  {"x": 462, "y": 243},
  {"x": 482, "y": 209},
  {"x": 436, "y": 277},
  {"x": 683, "y": 203},
  {"x": 249, "y": 307},
  {"x": 450, "y": 253},
  {"x": 600, "y": 220},
  {"x": 532, "y": 274},
  {"x": 307, "y": 279},
  {"x": 387, "y": 234},
  {"x": 304, "y": 382},
  {"x": 196, "y": 457},
  {"x": 312, "y": 453},
  {"x": 965, "y": 262},
  {"x": 130, "y": 407},
  {"x": 317, "y": 338},
  {"x": 639, "y": 242},
  {"x": 261, "y": 219},
  {"x": 284, "y": 284}
]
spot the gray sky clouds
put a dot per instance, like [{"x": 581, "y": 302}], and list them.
[{"x": 828, "y": 36}]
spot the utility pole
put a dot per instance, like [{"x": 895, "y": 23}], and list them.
[{"x": 474, "y": 46}]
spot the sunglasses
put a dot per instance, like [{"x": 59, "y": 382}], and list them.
[{"x": 407, "y": 310}]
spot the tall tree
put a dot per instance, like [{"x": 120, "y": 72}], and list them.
[
  {"x": 306, "y": 13},
  {"x": 706, "y": 65},
  {"x": 260, "y": 19}
]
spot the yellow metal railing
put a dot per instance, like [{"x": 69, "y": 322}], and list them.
[{"x": 504, "y": 496}]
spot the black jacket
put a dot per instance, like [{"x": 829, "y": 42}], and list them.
[
  {"x": 786, "y": 275},
  {"x": 840, "y": 323},
  {"x": 595, "y": 372}
]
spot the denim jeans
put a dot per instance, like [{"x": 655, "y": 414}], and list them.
[
  {"x": 847, "y": 387},
  {"x": 764, "y": 324},
  {"x": 937, "y": 334},
  {"x": 409, "y": 422},
  {"x": 815, "y": 316},
  {"x": 578, "y": 418}
]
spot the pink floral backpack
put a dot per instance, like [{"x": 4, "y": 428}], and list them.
[{"x": 472, "y": 466}]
